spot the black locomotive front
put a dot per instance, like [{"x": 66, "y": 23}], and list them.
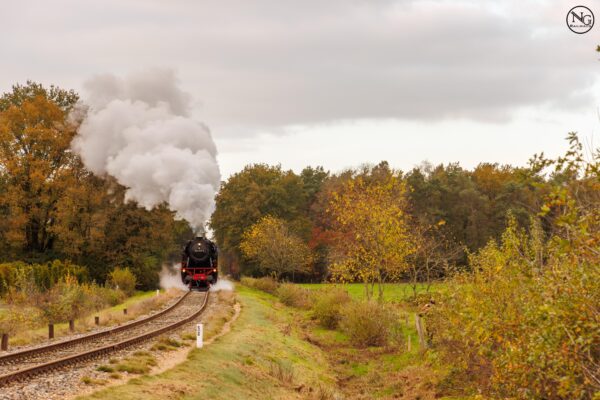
[{"x": 199, "y": 264}]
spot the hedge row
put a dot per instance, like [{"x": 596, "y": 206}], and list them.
[{"x": 22, "y": 276}]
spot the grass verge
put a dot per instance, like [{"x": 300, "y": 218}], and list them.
[{"x": 264, "y": 356}]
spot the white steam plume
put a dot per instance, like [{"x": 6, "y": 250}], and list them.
[
  {"x": 222, "y": 284},
  {"x": 170, "y": 277},
  {"x": 137, "y": 130}
]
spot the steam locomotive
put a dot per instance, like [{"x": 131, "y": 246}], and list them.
[{"x": 199, "y": 264}]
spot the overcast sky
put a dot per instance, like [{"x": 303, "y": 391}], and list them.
[{"x": 334, "y": 83}]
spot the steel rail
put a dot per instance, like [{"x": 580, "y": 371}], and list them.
[
  {"x": 11, "y": 357},
  {"x": 98, "y": 352}
]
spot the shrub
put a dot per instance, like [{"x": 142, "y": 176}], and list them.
[
  {"x": 123, "y": 279},
  {"x": 108, "y": 296},
  {"x": 327, "y": 305},
  {"x": 66, "y": 300},
  {"x": 294, "y": 296},
  {"x": 266, "y": 284},
  {"x": 22, "y": 277},
  {"x": 367, "y": 323},
  {"x": 97, "y": 297},
  {"x": 513, "y": 329},
  {"x": 18, "y": 319},
  {"x": 69, "y": 299},
  {"x": 247, "y": 281}
]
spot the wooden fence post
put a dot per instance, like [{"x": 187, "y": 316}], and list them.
[
  {"x": 50, "y": 331},
  {"x": 71, "y": 325},
  {"x": 420, "y": 331},
  {"x": 124, "y": 311},
  {"x": 97, "y": 320},
  {"x": 4, "y": 346}
]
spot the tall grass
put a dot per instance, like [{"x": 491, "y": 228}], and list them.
[
  {"x": 266, "y": 284},
  {"x": 294, "y": 296}
]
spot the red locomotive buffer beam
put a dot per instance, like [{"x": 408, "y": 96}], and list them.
[{"x": 199, "y": 277}]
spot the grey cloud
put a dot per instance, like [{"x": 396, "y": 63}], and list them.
[{"x": 272, "y": 63}]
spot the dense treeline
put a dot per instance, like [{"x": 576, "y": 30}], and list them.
[
  {"x": 51, "y": 207},
  {"x": 468, "y": 207},
  {"x": 520, "y": 319}
]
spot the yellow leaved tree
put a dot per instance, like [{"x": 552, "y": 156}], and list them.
[
  {"x": 278, "y": 251},
  {"x": 373, "y": 239}
]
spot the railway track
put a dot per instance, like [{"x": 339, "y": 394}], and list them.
[{"x": 25, "y": 364}]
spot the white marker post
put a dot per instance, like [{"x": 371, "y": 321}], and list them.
[
  {"x": 157, "y": 292},
  {"x": 199, "y": 335}
]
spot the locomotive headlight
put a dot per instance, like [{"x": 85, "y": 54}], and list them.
[
  {"x": 183, "y": 270},
  {"x": 214, "y": 270}
]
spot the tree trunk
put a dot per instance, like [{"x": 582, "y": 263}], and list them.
[{"x": 380, "y": 287}]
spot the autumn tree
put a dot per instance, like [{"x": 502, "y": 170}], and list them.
[
  {"x": 36, "y": 162},
  {"x": 54, "y": 208},
  {"x": 434, "y": 253},
  {"x": 256, "y": 191},
  {"x": 369, "y": 212},
  {"x": 276, "y": 250},
  {"x": 473, "y": 203}
]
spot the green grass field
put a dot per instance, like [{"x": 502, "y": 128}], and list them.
[{"x": 392, "y": 291}]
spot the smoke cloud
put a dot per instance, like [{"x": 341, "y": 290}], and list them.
[
  {"x": 170, "y": 277},
  {"x": 222, "y": 284},
  {"x": 138, "y": 130}
]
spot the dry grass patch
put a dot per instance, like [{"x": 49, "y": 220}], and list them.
[
  {"x": 91, "y": 381},
  {"x": 283, "y": 371},
  {"x": 105, "y": 368},
  {"x": 139, "y": 362},
  {"x": 188, "y": 336},
  {"x": 167, "y": 344}
]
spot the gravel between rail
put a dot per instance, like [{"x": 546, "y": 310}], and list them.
[{"x": 189, "y": 305}]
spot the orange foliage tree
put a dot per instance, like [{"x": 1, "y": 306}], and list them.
[{"x": 36, "y": 161}]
